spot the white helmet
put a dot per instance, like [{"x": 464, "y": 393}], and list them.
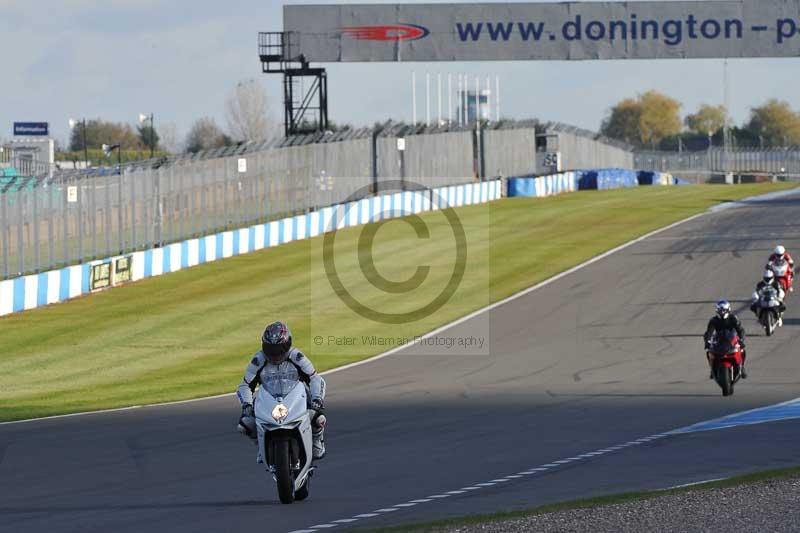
[
  {"x": 779, "y": 250},
  {"x": 723, "y": 308},
  {"x": 769, "y": 275}
]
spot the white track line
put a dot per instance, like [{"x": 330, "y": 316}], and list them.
[
  {"x": 428, "y": 335},
  {"x": 695, "y": 483},
  {"x": 547, "y": 467}
]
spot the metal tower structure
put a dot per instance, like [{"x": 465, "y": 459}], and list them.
[{"x": 305, "y": 88}]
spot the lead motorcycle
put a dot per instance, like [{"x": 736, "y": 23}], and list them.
[
  {"x": 726, "y": 357},
  {"x": 283, "y": 422},
  {"x": 767, "y": 305},
  {"x": 783, "y": 272}
]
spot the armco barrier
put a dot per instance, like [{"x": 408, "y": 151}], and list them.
[
  {"x": 36, "y": 290},
  {"x": 584, "y": 180}
]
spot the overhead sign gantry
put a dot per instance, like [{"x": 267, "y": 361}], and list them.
[{"x": 535, "y": 31}]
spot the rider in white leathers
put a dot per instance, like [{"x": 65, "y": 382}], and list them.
[{"x": 277, "y": 359}]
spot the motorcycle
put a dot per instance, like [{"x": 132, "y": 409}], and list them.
[
  {"x": 783, "y": 272},
  {"x": 768, "y": 309},
  {"x": 726, "y": 356},
  {"x": 283, "y": 422}
]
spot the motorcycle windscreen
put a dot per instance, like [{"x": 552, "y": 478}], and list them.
[
  {"x": 779, "y": 268},
  {"x": 769, "y": 297},
  {"x": 279, "y": 380},
  {"x": 726, "y": 342}
]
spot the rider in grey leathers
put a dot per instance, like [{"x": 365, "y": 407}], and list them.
[{"x": 275, "y": 360}]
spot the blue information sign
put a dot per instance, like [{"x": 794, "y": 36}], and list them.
[{"x": 31, "y": 128}]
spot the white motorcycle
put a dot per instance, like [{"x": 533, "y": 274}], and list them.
[
  {"x": 768, "y": 303},
  {"x": 283, "y": 422}
]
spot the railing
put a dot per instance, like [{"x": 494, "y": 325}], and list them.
[{"x": 782, "y": 161}]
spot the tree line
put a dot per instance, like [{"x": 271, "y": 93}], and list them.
[
  {"x": 247, "y": 117},
  {"x": 652, "y": 120}
]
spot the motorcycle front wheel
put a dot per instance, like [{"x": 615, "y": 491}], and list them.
[
  {"x": 770, "y": 323},
  {"x": 283, "y": 470},
  {"x": 724, "y": 380}
]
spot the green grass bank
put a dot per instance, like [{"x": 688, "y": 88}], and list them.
[{"x": 191, "y": 333}]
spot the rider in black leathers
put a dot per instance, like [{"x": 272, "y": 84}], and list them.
[
  {"x": 769, "y": 280},
  {"x": 725, "y": 320}
]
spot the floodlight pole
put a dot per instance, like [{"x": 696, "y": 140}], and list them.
[{"x": 152, "y": 136}]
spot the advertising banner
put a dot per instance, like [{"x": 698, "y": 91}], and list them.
[{"x": 543, "y": 31}]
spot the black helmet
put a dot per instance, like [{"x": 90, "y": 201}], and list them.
[{"x": 276, "y": 342}]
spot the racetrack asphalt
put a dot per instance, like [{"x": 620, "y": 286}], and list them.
[{"x": 601, "y": 357}]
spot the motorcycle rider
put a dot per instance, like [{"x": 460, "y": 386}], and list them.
[
  {"x": 778, "y": 254},
  {"x": 723, "y": 320},
  {"x": 769, "y": 280},
  {"x": 278, "y": 356}
]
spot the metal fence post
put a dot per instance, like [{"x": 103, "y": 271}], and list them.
[
  {"x": 20, "y": 223},
  {"x": 50, "y": 229},
  {"x": 37, "y": 263},
  {"x": 5, "y": 230},
  {"x": 120, "y": 219},
  {"x": 107, "y": 217}
]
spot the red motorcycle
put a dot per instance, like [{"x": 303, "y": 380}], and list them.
[
  {"x": 783, "y": 272},
  {"x": 726, "y": 357}
]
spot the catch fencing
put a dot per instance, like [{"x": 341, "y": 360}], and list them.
[
  {"x": 36, "y": 290},
  {"x": 701, "y": 165},
  {"x": 51, "y": 218}
]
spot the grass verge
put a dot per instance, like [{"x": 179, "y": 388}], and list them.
[
  {"x": 190, "y": 333},
  {"x": 588, "y": 503}
]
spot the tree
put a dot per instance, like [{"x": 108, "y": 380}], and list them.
[
  {"x": 660, "y": 117},
  {"x": 148, "y": 136},
  {"x": 205, "y": 134},
  {"x": 775, "y": 122},
  {"x": 99, "y": 132},
  {"x": 707, "y": 119},
  {"x": 646, "y": 120},
  {"x": 623, "y": 122},
  {"x": 247, "y": 112}
]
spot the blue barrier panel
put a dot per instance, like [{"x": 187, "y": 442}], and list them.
[
  {"x": 63, "y": 288},
  {"x": 235, "y": 242},
  {"x": 645, "y": 177},
  {"x": 587, "y": 180},
  {"x": 19, "y": 294},
  {"x": 521, "y": 187},
  {"x": 616, "y": 178},
  {"x": 41, "y": 295}
]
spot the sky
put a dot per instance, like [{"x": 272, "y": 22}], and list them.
[{"x": 114, "y": 59}]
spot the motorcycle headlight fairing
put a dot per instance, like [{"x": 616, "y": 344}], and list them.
[{"x": 280, "y": 412}]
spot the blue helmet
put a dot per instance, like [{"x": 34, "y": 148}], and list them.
[{"x": 723, "y": 308}]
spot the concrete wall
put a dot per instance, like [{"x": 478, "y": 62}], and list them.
[
  {"x": 510, "y": 152},
  {"x": 581, "y": 151}
]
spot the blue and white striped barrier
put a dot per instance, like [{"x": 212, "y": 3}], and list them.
[{"x": 36, "y": 290}]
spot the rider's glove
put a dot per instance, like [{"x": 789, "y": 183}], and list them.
[
  {"x": 317, "y": 405},
  {"x": 247, "y": 410}
]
